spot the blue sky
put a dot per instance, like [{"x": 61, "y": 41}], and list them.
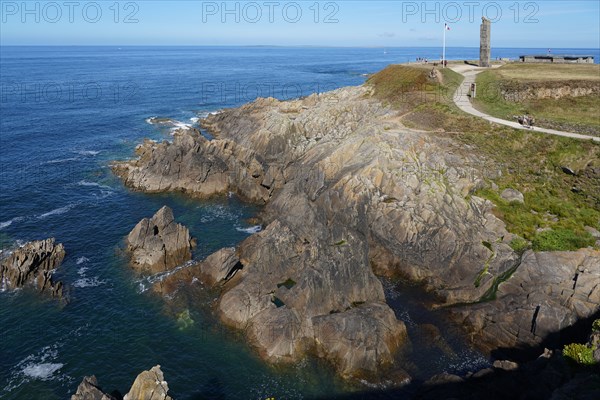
[{"x": 543, "y": 23}]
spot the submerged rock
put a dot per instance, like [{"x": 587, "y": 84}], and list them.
[
  {"x": 33, "y": 264},
  {"x": 159, "y": 244},
  {"x": 149, "y": 385}
]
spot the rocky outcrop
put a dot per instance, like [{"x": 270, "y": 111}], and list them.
[
  {"x": 159, "y": 244},
  {"x": 88, "y": 389},
  {"x": 33, "y": 264},
  {"x": 149, "y": 385},
  {"x": 547, "y": 293},
  {"x": 349, "y": 193}
]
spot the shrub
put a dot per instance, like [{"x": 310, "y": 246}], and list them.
[
  {"x": 596, "y": 326},
  {"x": 519, "y": 245},
  {"x": 579, "y": 353},
  {"x": 561, "y": 239}
]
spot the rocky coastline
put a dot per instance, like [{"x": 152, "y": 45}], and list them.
[
  {"x": 32, "y": 265},
  {"x": 149, "y": 385},
  {"x": 351, "y": 194}
]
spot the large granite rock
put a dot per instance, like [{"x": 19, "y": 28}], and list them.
[
  {"x": 349, "y": 193},
  {"x": 149, "y": 385},
  {"x": 159, "y": 244},
  {"x": 33, "y": 264},
  {"x": 88, "y": 389},
  {"x": 547, "y": 293}
]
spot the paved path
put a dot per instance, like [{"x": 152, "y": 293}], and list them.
[{"x": 463, "y": 101}]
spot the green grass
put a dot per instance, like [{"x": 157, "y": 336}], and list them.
[
  {"x": 579, "y": 114},
  {"x": 529, "y": 161},
  {"x": 562, "y": 239},
  {"x": 519, "y": 245}
]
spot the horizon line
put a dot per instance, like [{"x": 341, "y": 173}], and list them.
[{"x": 275, "y": 45}]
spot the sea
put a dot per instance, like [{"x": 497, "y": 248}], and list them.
[{"x": 65, "y": 114}]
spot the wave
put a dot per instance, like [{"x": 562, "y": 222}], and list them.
[
  {"x": 146, "y": 282},
  {"x": 42, "y": 365},
  {"x": 82, "y": 260},
  {"x": 88, "y": 282},
  {"x": 220, "y": 213},
  {"x": 60, "y": 160},
  {"x": 8, "y": 223},
  {"x": 88, "y": 152},
  {"x": 58, "y": 211},
  {"x": 252, "y": 230},
  {"x": 43, "y": 371},
  {"x": 194, "y": 120},
  {"x": 93, "y": 184}
]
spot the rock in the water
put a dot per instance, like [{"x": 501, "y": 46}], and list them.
[
  {"x": 33, "y": 264},
  {"x": 159, "y": 244},
  {"x": 88, "y": 389},
  {"x": 511, "y": 195},
  {"x": 149, "y": 385},
  {"x": 505, "y": 365}
]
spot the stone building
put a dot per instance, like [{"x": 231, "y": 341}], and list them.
[{"x": 557, "y": 59}]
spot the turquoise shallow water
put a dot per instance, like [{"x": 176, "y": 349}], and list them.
[{"x": 65, "y": 114}]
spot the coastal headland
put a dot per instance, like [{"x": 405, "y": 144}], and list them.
[{"x": 381, "y": 180}]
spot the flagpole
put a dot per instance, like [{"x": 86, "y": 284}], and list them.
[{"x": 444, "y": 48}]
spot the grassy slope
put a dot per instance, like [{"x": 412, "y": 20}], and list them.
[
  {"x": 579, "y": 114},
  {"x": 531, "y": 162}
]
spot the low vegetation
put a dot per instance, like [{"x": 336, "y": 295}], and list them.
[
  {"x": 575, "y": 114},
  {"x": 558, "y": 206},
  {"x": 583, "y": 354}
]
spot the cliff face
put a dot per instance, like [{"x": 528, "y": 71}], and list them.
[{"x": 349, "y": 192}]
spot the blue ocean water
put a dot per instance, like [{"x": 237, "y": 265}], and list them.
[{"x": 66, "y": 112}]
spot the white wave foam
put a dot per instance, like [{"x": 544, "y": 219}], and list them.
[
  {"x": 82, "y": 260},
  {"x": 194, "y": 120},
  {"x": 93, "y": 184},
  {"x": 8, "y": 223},
  {"x": 88, "y": 282},
  {"x": 220, "y": 213},
  {"x": 177, "y": 125},
  {"x": 42, "y": 365},
  {"x": 146, "y": 282},
  {"x": 43, "y": 372},
  {"x": 60, "y": 160},
  {"x": 252, "y": 230},
  {"x": 150, "y": 120},
  {"x": 81, "y": 271},
  {"x": 88, "y": 152},
  {"x": 57, "y": 211}
]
